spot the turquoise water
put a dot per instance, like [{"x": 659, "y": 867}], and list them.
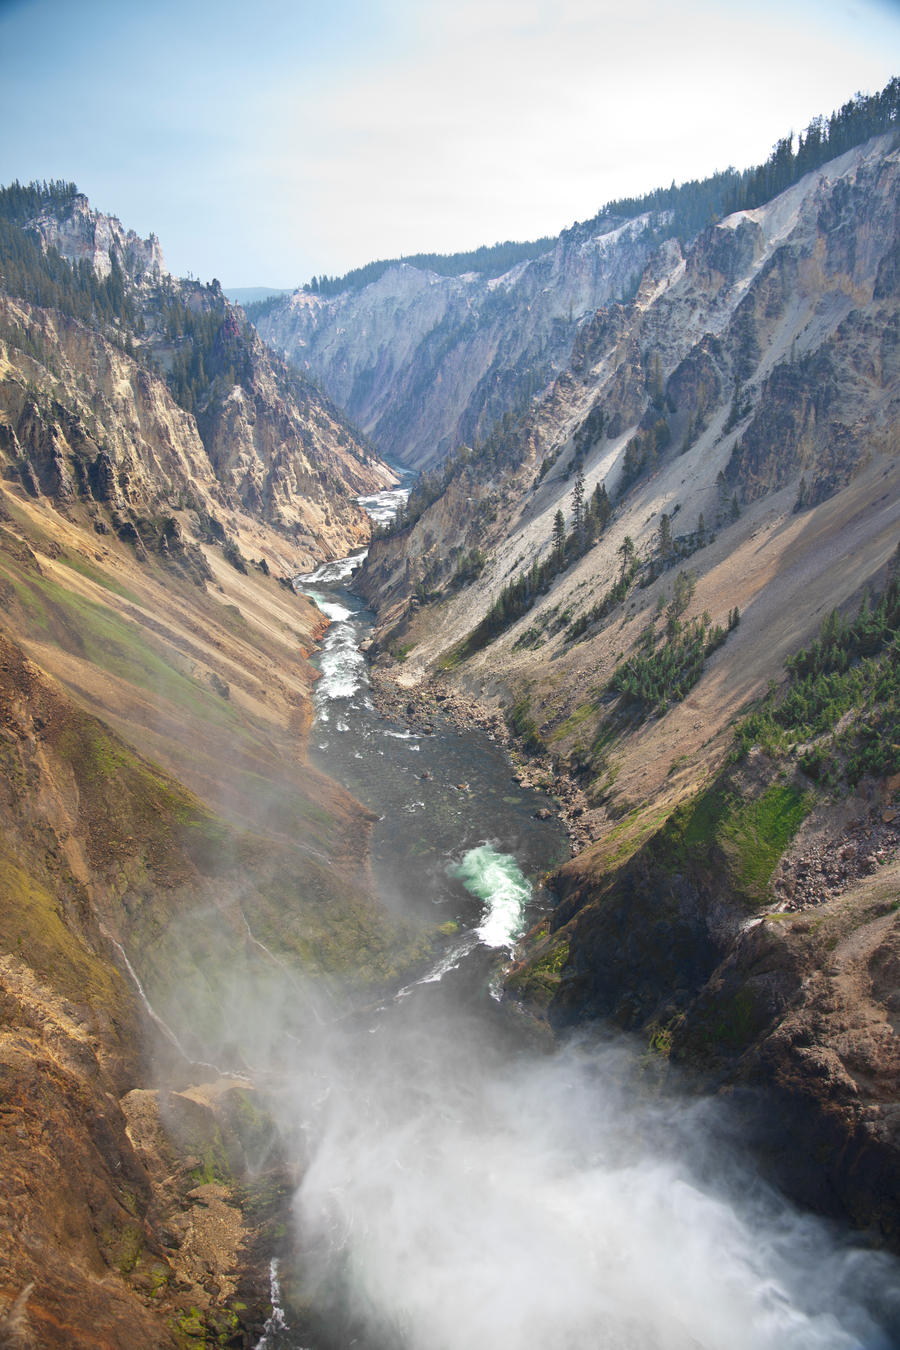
[{"x": 497, "y": 881}]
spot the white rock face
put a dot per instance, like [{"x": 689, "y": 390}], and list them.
[
  {"x": 773, "y": 343},
  {"x": 86, "y": 234},
  {"x": 425, "y": 362}
]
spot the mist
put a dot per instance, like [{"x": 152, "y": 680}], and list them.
[
  {"x": 463, "y": 1183},
  {"x": 460, "y": 1185},
  {"x": 455, "y": 1198},
  {"x": 460, "y": 1180}
]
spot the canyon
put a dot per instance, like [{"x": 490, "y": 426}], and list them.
[
  {"x": 741, "y": 415},
  {"x": 657, "y": 484},
  {"x": 157, "y": 696}
]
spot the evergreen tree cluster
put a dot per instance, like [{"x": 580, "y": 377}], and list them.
[
  {"x": 43, "y": 277},
  {"x": 608, "y": 601},
  {"x": 643, "y": 451},
  {"x": 672, "y": 549},
  {"x": 664, "y": 671},
  {"x": 20, "y": 203},
  {"x": 853, "y": 667},
  {"x": 183, "y": 330},
  {"x": 590, "y": 517},
  {"x": 469, "y": 567},
  {"x": 590, "y": 430},
  {"x": 259, "y": 309},
  {"x": 212, "y": 346},
  {"x": 684, "y": 211},
  {"x": 430, "y": 485},
  {"x": 490, "y": 260}
]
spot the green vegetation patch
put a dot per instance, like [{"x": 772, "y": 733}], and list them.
[
  {"x": 694, "y": 825},
  {"x": 536, "y": 981},
  {"x": 122, "y": 1247},
  {"x": 114, "y": 644},
  {"x": 730, "y": 1021},
  {"x": 743, "y": 837},
  {"x": 126, "y": 798},
  {"x": 756, "y": 833},
  {"x": 841, "y": 698},
  {"x": 663, "y": 672},
  {"x": 523, "y": 725},
  {"x": 627, "y": 836},
  {"x": 581, "y": 714},
  {"x": 32, "y": 927},
  {"x": 100, "y": 576}
]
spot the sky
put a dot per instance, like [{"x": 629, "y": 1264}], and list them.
[{"x": 269, "y": 142}]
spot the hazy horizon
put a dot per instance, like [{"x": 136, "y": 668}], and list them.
[{"x": 264, "y": 148}]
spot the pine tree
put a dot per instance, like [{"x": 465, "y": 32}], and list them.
[
  {"x": 656, "y": 384},
  {"x": 559, "y": 538},
  {"x": 626, "y": 548},
  {"x": 665, "y": 537},
  {"x": 578, "y": 506},
  {"x": 683, "y": 591},
  {"x": 602, "y": 507}
]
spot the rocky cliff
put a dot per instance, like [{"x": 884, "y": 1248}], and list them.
[
  {"x": 163, "y": 842},
  {"x": 621, "y": 574},
  {"x": 81, "y": 234},
  {"x": 113, "y": 332},
  {"x": 425, "y": 363},
  {"x": 146, "y": 876}
]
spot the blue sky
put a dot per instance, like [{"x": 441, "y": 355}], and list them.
[{"x": 267, "y": 143}]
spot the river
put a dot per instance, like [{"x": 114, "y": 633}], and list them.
[{"x": 466, "y": 1188}]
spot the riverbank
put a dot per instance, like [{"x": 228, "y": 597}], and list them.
[{"x": 419, "y": 708}]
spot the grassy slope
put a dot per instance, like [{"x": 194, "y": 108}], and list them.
[{"x": 154, "y": 793}]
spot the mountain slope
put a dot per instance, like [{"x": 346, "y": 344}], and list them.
[
  {"x": 425, "y": 362},
  {"x": 741, "y": 418},
  {"x": 430, "y": 353},
  {"x": 275, "y": 449},
  {"x": 163, "y": 841}
]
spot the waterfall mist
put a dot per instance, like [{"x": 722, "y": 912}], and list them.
[
  {"x": 457, "y": 1195},
  {"x": 459, "y": 1184}
]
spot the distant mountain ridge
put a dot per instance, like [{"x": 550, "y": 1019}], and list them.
[
  {"x": 252, "y": 295},
  {"x": 425, "y": 362},
  {"x": 429, "y": 353}
]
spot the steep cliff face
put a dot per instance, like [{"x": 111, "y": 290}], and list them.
[
  {"x": 81, "y": 420},
  {"x": 741, "y": 422},
  {"x": 424, "y": 362},
  {"x": 289, "y": 457},
  {"x": 164, "y": 845},
  {"x": 81, "y": 234},
  {"x": 762, "y": 359},
  {"x": 163, "y": 842},
  {"x": 275, "y": 449},
  {"x": 741, "y": 417}
]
